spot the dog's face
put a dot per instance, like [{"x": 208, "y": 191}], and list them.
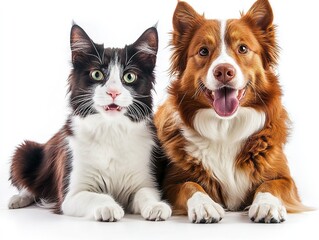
[{"x": 224, "y": 63}]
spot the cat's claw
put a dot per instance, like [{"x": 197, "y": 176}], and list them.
[
  {"x": 159, "y": 211},
  {"x": 111, "y": 213}
]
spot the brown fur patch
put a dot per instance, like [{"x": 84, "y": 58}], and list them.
[
  {"x": 43, "y": 169},
  {"x": 261, "y": 157}
]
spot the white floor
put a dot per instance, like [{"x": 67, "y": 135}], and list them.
[{"x": 36, "y": 223}]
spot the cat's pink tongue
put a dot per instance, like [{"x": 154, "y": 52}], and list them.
[{"x": 225, "y": 101}]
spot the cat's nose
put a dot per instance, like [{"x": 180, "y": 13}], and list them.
[{"x": 113, "y": 94}]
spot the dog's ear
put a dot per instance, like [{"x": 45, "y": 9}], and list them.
[
  {"x": 260, "y": 17},
  {"x": 185, "y": 18},
  {"x": 260, "y": 14},
  {"x": 185, "y": 22}
]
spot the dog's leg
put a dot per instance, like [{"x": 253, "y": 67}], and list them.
[
  {"x": 271, "y": 200},
  {"x": 192, "y": 198}
]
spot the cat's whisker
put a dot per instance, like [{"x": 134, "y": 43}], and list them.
[
  {"x": 131, "y": 111},
  {"x": 81, "y": 109},
  {"x": 130, "y": 67},
  {"x": 82, "y": 96},
  {"x": 142, "y": 104},
  {"x": 89, "y": 110},
  {"x": 98, "y": 55},
  {"x": 140, "y": 109},
  {"x": 81, "y": 100},
  {"x": 149, "y": 51},
  {"x": 103, "y": 56},
  {"x": 140, "y": 96},
  {"x": 125, "y": 55},
  {"x": 82, "y": 47}
]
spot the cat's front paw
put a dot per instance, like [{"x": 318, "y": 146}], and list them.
[
  {"x": 267, "y": 208},
  {"x": 202, "y": 209},
  {"x": 109, "y": 213},
  {"x": 158, "y": 211}
]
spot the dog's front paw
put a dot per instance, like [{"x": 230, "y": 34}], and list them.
[
  {"x": 109, "y": 213},
  {"x": 158, "y": 211},
  {"x": 267, "y": 208},
  {"x": 202, "y": 209}
]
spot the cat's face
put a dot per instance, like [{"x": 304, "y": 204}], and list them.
[{"x": 112, "y": 81}]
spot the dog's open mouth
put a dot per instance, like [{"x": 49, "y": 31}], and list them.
[
  {"x": 225, "y": 100},
  {"x": 112, "y": 107}
]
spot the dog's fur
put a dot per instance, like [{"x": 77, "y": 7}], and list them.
[{"x": 226, "y": 154}]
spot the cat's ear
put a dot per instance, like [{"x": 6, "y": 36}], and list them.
[
  {"x": 147, "y": 45},
  {"x": 80, "y": 42}
]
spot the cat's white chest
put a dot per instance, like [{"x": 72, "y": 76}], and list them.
[{"x": 110, "y": 157}]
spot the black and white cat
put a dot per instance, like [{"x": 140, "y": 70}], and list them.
[{"x": 100, "y": 163}]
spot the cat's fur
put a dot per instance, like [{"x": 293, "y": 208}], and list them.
[{"x": 100, "y": 163}]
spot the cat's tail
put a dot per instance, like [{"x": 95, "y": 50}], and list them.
[
  {"x": 25, "y": 165},
  {"x": 40, "y": 172}
]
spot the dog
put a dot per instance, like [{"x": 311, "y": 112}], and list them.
[{"x": 223, "y": 127}]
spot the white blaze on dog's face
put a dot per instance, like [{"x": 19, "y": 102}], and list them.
[
  {"x": 232, "y": 68},
  {"x": 226, "y": 60},
  {"x": 225, "y": 81}
]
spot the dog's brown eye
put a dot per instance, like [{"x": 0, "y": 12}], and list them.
[
  {"x": 203, "y": 52},
  {"x": 242, "y": 49}
]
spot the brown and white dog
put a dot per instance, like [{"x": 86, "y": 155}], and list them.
[{"x": 223, "y": 126}]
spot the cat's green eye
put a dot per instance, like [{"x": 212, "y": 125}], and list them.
[
  {"x": 97, "y": 75},
  {"x": 129, "y": 77}
]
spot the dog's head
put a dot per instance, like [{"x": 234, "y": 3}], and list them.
[{"x": 223, "y": 65}]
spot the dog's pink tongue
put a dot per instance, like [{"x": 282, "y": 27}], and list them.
[{"x": 225, "y": 102}]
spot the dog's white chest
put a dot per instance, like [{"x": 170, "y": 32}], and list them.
[{"x": 216, "y": 143}]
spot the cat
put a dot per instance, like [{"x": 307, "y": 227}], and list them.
[{"x": 99, "y": 165}]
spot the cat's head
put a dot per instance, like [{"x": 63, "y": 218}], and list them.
[{"x": 112, "y": 81}]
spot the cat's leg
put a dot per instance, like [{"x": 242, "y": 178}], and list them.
[
  {"x": 23, "y": 199},
  {"x": 101, "y": 207},
  {"x": 147, "y": 202}
]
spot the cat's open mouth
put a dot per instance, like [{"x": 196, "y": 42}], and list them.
[{"x": 112, "y": 107}]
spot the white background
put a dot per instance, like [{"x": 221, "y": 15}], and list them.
[{"x": 34, "y": 66}]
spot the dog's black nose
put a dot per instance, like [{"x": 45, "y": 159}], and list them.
[{"x": 224, "y": 72}]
